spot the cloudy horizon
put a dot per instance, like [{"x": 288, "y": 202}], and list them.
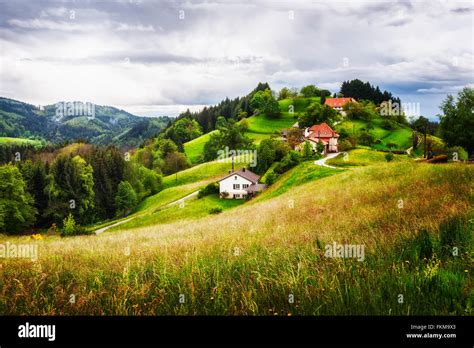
[{"x": 159, "y": 58}]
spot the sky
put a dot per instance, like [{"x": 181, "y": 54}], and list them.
[{"x": 156, "y": 58}]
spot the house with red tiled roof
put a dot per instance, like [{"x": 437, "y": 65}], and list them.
[
  {"x": 338, "y": 103},
  {"x": 321, "y": 133}
]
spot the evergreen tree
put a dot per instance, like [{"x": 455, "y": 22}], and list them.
[{"x": 17, "y": 210}]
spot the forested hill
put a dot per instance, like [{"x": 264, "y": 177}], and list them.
[{"x": 76, "y": 120}]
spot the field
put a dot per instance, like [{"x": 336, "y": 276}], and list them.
[
  {"x": 400, "y": 135},
  {"x": 19, "y": 141},
  {"x": 363, "y": 157},
  {"x": 253, "y": 258},
  {"x": 195, "y": 147}
]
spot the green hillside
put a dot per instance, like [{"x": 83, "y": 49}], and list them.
[
  {"x": 108, "y": 125},
  {"x": 262, "y": 127},
  {"x": 20, "y": 141},
  {"x": 400, "y": 135},
  {"x": 247, "y": 259}
]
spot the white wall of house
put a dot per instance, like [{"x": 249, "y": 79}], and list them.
[{"x": 235, "y": 186}]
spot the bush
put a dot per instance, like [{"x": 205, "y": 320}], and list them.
[
  {"x": 209, "y": 190},
  {"x": 389, "y": 157},
  {"x": 70, "y": 228},
  {"x": 270, "y": 178},
  {"x": 53, "y": 229},
  {"x": 345, "y": 145},
  {"x": 292, "y": 159},
  {"x": 461, "y": 153},
  {"x": 215, "y": 210},
  {"x": 365, "y": 138}
]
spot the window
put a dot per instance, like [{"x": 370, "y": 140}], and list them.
[
  {"x": 235, "y": 177},
  {"x": 245, "y": 186},
  {"x": 236, "y": 196},
  {"x": 236, "y": 186}
]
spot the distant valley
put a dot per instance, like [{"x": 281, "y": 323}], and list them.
[{"x": 105, "y": 125}]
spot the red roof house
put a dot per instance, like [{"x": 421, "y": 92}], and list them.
[
  {"x": 338, "y": 103},
  {"x": 322, "y": 132}
]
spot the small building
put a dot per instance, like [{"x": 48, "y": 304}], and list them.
[
  {"x": 338, "y": 103},
  {"x": 240, "y": 184},
  {"x": 321, "y": 132}
]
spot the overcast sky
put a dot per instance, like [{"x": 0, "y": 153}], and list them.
[{"x": 160, "y": 57}]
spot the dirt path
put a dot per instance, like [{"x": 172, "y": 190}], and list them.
[
  {"x": 322, "y": 161},
  {"x": 182, "y": 198},
  {"x": 103, "y": 229}
]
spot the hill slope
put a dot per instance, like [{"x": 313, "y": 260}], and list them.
[
  {"x": 262, "y": 127},
  {"x": 250, "y": 259},
  {"x": 108, "y": 126}
]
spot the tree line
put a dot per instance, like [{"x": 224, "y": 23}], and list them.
[{"x": 83, "y": 182}]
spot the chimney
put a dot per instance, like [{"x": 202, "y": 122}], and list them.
[{"x": 243, "y": 169}]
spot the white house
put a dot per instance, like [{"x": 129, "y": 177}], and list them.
[{"x": 240, "y": 184}]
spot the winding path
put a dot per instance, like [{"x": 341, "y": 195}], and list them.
[
  {"x": 179, "y": 200},
  {"x": 322, "y": 161}
]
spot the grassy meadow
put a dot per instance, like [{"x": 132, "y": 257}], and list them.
[
  {"x": 20, "y": 141},
  {"x": 363, "y": 157},
  {"x": 251, "y": 259}
]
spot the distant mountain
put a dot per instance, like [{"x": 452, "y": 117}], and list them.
[{"x": 68, "y": 121}]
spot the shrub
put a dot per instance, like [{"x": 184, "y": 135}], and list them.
[
  {"x": 292, "y": 159},
  {"x": 215, "y": 210},
  {"x": 457, "y": 151},
  {"x": 209, "y": 190},
  {"x": 270, "y": 178},
  {"x": 365, "y": 138},
  {"x": 389, "y": 157},
  {"x": 345, "y": 145},
  {"x": 53, "y": 229},
  {"x": 70, "y": 228}
]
